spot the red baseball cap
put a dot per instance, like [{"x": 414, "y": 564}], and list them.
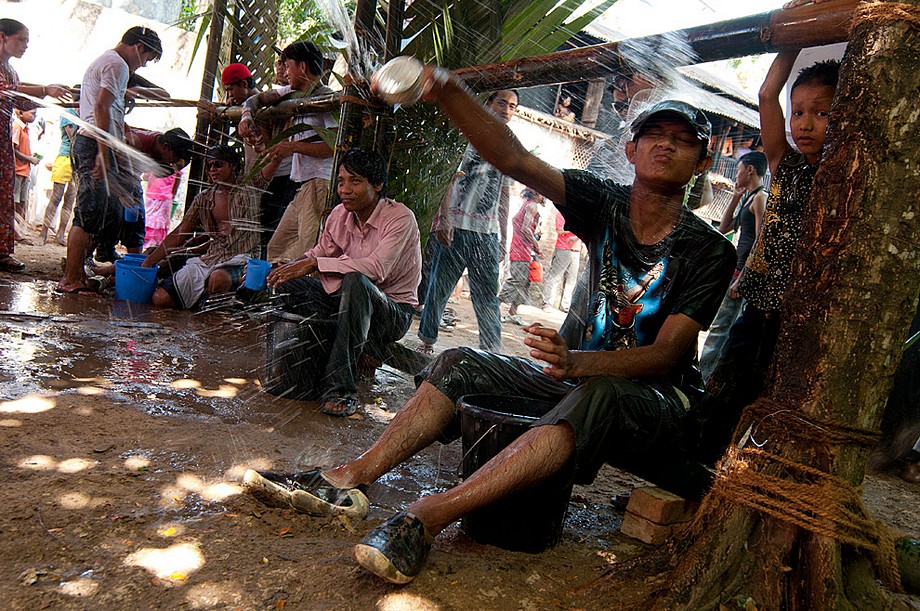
[{"x": 234, "y": 73}]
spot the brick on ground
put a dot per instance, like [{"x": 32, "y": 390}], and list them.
[{"x": 653, "y": 513}]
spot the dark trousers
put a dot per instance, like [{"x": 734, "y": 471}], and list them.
[
  {"x": 478, "y": 253},
  {"x": 637, "y": 425},
  {"x": 363, "y": 314},
  {"x": 278, "y": 194},
  {"x": 739, "y": 375}
]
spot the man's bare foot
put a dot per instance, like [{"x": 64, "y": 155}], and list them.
[{"x": 72, "y": 288}]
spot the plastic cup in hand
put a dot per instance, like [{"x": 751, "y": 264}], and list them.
[
  {"x": 399, "y": 81},
  {"x": 256, "y": 274}
]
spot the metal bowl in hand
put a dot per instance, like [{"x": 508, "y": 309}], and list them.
[{"x": 399, "y": 81}]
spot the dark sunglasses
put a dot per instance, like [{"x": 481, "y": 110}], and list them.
[{"x": 215, "y": 163}]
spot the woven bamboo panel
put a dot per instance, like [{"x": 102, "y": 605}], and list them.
[{"x": 253, "y": 31}]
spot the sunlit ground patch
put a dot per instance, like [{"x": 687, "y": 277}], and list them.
[
  {"x": 30, "y": 404},
  {"x": 220, "y": 491},
  {"x": 214, "y": 595},
  {"x": 74, "y": 465},
  {"x": 96, "y": 381},
  {"x": 75, "y": 500},
  {"x": 174, "y": 563},
  {"x": 235, "y": 473},
  {"x": 404, "y": 601},
  {"x": 236, "y": 381},
  {"x": 224, "y": 391},
  {"x": 38, "y": 462},
  {"x": 79, "y": 588},
  {"x": 11, "y": 423},
  {"x": 184, "y": 384},
  {"x": 41, "y": 462},
  {"x": 137, "y": 463},
  {"x": 90, "y": 391},
  {"x": 208, "y": 491},
  {"x": 172, "y": 529}
]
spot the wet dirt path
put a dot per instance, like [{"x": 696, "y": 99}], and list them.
[{"x": 127, "y": 430}]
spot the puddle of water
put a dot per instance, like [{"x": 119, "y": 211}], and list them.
[{"x": 132, "y": 351}]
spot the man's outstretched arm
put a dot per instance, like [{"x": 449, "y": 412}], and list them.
[{"x": 491, "y": 138}]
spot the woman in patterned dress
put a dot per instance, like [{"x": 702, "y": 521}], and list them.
[{"x": 14, "y": 40}]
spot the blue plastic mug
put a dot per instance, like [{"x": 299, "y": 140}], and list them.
[{"x": 256, "y": 274}]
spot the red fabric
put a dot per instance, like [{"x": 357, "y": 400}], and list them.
[
  {"x": 25, "y": 147},
  {"x": 8, "y": 80},
  {"x": 234, "y": 73},
  {"x": 536, "y": 271},
  {"x": 565, "y": 240},
  {"x": 521, "y": 249}
]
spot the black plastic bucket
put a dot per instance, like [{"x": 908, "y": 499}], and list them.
[
  {"x": 530, "y": 521},
  {"x": 296, "y": 352}
]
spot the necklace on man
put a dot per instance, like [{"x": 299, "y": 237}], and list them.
[{"x": 647, "y": 255}]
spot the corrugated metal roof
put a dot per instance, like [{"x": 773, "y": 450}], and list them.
[{"x": 721, "y": 104}]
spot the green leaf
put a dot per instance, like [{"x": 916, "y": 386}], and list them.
[{"x": 202, "y": 28}]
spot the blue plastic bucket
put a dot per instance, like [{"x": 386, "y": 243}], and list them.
[
  {"x": 256, "y": 274},
  {"x": 134, "y": 257},
  {"x": 133, "y": 282}
]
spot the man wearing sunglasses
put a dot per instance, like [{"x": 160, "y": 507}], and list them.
[{"x": 228, "y": 213}]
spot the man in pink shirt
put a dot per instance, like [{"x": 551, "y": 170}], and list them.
[{"x": 364, "y": 273}]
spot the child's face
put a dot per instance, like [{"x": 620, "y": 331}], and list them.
[
  {"x": 811, "y": 105},
  {"x": 27, "y": 116}
]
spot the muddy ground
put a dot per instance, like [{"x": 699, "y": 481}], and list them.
[{"x": 125, "y": 433}]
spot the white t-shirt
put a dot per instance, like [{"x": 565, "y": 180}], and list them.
[
  {"x": 305, "y": 167},
  {"x": 109, "y": 72}
]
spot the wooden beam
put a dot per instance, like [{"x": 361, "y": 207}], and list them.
[{"x": 806, "y": 26}]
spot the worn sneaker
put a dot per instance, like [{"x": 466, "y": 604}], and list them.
[
  {"x": 307, "y": 492},
  {"x": 395, "y": 550}
]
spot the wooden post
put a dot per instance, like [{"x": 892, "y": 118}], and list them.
[
  {"x": 204, "y": 122},
  {"x": 592, "y": 105},
  {"x": 352, "y": 128}
]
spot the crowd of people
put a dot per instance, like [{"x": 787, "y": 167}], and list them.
[{"x": 620, "y": 374}]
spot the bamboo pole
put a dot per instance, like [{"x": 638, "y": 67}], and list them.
[
  {"x": 203, "y": 124},
  {"x": 806, "y": 26}
]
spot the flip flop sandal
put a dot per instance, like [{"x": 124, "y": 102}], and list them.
[
  {"x": 425, "y": 348},
  {"x": 341, "y": 407}
]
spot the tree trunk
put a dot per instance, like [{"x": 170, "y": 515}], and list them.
[{"x": 784, "y": 522}]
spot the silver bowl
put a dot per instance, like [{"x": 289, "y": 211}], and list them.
[{"x": 399, "y": 81}]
